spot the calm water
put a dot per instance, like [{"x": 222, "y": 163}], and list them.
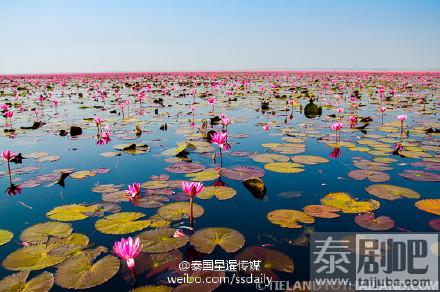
[{"x": 244, "y": 212}]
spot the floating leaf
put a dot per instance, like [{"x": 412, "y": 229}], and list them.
[
  {"x": 289, "y": 218},
  {"x": 371, "y": 165},
  {"x": 321, "y": 211},
  {"x": 371, "y": 175},
  {"x": 161, "y": 240},
  {"x": 17, "y": 282},
  {"x": 242, "y": 172},
  {"x": 284, "y": 167},
  {"x": 81, "y": 273},
  {"x": 269, "y": 157},
  {"x": 435, "y": 224},
  {"x": 122, "y": 223},
  {"x": 205, "y": 240},
  {"x": 185, "y": 167},
  {"x": 179, "y": 210},
  {"x": 36, "y": 257},
  {"x": 150, "y": 201},
  {"x": 72, "y": 212},
  {"x": 368, "y": 221},
  {"x": 5, "y": 236},
  {"x": 204, "y": 175},
  {"x": 420, "y": 175},
  {"x": 270, "y": 260},
  {"x": 347, "y": 204},
  {"x": 429, "y": 205},
  {"x": 220, "y": 192},
  {"x": 82, "y": 174},
  {"x": 39, "y": 233},
  {"x": 391, "y": 192},
  {"x": 309, "y": 159}
]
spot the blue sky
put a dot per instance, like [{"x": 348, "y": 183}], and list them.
[{"x": 199, "y": 35}]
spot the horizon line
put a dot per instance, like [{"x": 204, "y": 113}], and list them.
[{"x": 229, "y": 71}]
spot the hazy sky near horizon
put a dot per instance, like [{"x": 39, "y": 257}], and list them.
[{"x": 197, "y": 35}]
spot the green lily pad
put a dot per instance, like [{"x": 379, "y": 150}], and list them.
[
  {"x": 39, "y": 233},
  {"x": 204, "y": 175},
  {"x": 220, "y": 192},
  {"x": 80, "y": 272},
  {"x": 18, "y": 282},
  {"x": 72, "y": 212},
  {"x": 347, "y": 204},
  {"x": 289, "y": 218},
  {"x": 122, "y": 223},
  {"x": 284, "y": 167},
  {"x": 161, "y": 240},
  {"x": 5, "y": 236},
  {"x": 205, "y": 240},
  {"x": 36, "y": 257},
  {"x": 179, "y": 210}
]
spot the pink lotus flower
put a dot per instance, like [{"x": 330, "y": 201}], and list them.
[
  {"x": 339, "y": 110},
  {"x": 225, "y": 121},
  {"x": 134, "y": 190},
  {"x": 8, "y": 155},
  {"x": 4, "y": 107},
  {"x": 402, "y": 117},
  {"x": 353, "y": 121},
  {"x": 382, "y": 109},
  {"x": 219, "y": 138},
  {"x": 337, "y": 126},
  {"x": 8, "y": 114},
  {"x": 192, "y": 189},
  {"x": 211, "y": 100},
  {"x": 106, "y": 135},
  {"x": 266, "y": 127},
  {"x": 127, "y": 249},
  {"x": 98, "y": 121},
  {"x": 55, "y": 102}
]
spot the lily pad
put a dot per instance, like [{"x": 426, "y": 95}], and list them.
[
  {"x": 371, "y": 175},
  {"x": 36, "y": 257},
  {"x": 309, "y": 159},
  {"x": 420, "y": 175},
  {"x": 269, "y": 157},
  {"x": 205, "y": 240},
  {"x": 39, "y": 233},
  {"x": 81, "y": 273},
  {"x": 289, "y": 218},
  {"x": 220, "y": 192},
  {"x": 5, "y": 236},
  {"x": 72, "y": 212},
  {"x": 122, "y": 223},
  {"x": 284, "y": 167},
  {"x": 391, "y": 192},
  {"x": 270, "y": 261},
  {"x": 185, "y": 167},
  {"x": 179, "y": 210},
  {"x": 368, "y": 221},
  {"x": 161, "y": 240},
  {"x": 18, "y": 282},
  {"x": 321, "y": 211},
  {"x": 347, "y": 204},
  {"x": 204, "y": 175},
  {"x": 242, "y": 173},
  {"x": 429, "y": 205}
]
